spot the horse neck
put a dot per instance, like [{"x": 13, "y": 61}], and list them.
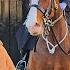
[{"x": 60, "y": 30}]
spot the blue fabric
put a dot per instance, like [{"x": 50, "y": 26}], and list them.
[
  {"x": 31, "y": 43},
  {"x": 24, "y": 39}
]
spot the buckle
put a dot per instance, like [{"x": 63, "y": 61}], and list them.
[{"x": 21, "y": 65}]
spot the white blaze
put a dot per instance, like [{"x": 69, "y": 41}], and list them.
[{"x": 32, "y": 15}]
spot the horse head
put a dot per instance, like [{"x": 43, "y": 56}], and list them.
[
  {"x": 46, "y": 18},
  {"x": 40, "y": 12},
  {"x": 50, "y": 23}
]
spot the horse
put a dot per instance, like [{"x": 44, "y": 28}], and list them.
[
  {"x": 5, "y": 60},
  {"x": 46, "y": 20}
]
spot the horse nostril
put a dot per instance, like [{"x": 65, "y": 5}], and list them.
[{"x": 37, "y": 24}]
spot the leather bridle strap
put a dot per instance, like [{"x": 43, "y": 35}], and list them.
[
  {"x": 58, "y": 42},
  {"x": 39, "y": 8}
]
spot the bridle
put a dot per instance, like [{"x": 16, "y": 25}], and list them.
[
  {"x": 47, "y": 11},
  {"x": 48, "y": 24}
]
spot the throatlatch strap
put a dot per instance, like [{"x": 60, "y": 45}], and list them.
[{"x": 40, "y": 9}]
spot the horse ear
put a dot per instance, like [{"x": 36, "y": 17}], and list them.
[
  {"x": 57, "y": 1},
  {"x": 56, "y": 4}
]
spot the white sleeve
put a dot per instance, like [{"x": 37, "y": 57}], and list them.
[
  {"x": 34, "y": 2},
  {"x": 63, "y": 5}
]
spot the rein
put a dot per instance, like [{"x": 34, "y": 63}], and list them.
[{"x": 58, "y": 43}]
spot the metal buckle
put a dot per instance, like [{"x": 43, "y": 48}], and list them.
[{"x": 20, "y": 64}]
